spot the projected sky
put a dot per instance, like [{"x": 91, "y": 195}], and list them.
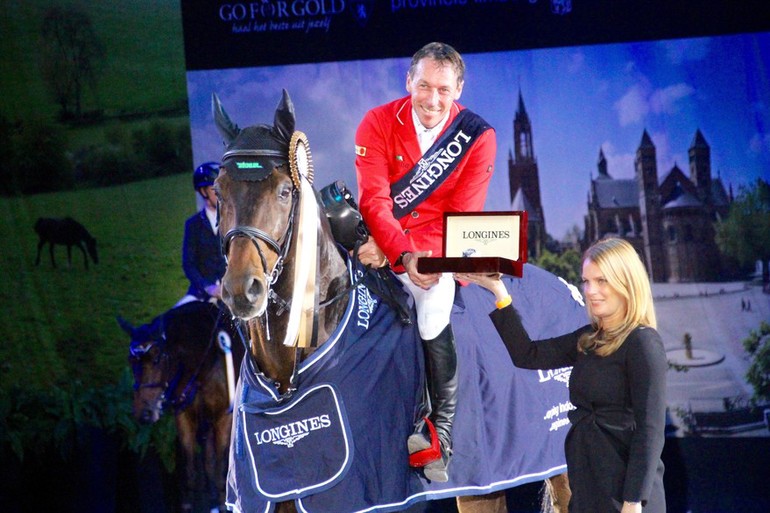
[{"x": 579, "y": 100}]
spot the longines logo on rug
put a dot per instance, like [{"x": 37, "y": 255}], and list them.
[
  {"x": 562, "y": 375},
  {"x": 366, "y": 306},
  {"x": 291, "y": 433}
]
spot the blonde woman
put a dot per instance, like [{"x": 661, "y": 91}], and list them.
[{"x": 617, "y": 384}]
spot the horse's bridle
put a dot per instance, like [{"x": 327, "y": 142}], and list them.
[
  {"x": 281, "y": 248},
  {"x": 187, "y": 394},
  {"x": 137, "y": 351},
  {"x": 140, "y": 350}
]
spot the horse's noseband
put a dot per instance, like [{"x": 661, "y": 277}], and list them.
[{"x": 254, "y": 234}]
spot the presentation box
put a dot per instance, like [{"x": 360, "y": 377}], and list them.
[{"x": 481, "y": 242}]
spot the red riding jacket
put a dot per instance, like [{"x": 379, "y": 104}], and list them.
[{"x": 386, "y": 149}]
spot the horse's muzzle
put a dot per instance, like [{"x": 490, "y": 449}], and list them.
[
  {"x": 246, "y": 297},
  {"x": 150, "y": 414}
]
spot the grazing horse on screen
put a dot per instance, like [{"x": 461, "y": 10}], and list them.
[
  {"x": 67, "y": 232},
  {"x": 179, "y": 362},
  {"x": 330, "y": 388}
]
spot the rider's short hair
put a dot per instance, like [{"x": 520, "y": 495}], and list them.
[{"x": 443, "y": 54}]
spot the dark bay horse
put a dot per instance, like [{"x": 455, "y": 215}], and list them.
[
  {"x": 288, "y": 279},
  {"x": 66, "y": 232},
  {"x": 179, "y": 362}
]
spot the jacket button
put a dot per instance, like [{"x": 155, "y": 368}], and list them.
[
  {"x": 406, "y": 232},
  {"x": 415, "y": 214}
]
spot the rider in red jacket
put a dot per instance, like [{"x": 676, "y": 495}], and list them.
[{"x": 416, "y": 158}]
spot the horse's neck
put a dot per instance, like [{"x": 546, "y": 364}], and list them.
[
  {"x": 332, "y": 280},
  {"x": 275, "y": 359}
]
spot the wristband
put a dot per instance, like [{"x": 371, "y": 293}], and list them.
[{"x": 504, "y": 302}]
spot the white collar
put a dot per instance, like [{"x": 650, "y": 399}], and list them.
[
  {"x": 427, "y": 136},
  {"x": 211, "y": 215}
]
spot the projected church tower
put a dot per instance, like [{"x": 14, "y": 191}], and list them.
[
  {"x": 670, "y": 222},
  {"x": 525, "y": 181}
]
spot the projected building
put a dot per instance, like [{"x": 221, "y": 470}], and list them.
[
  {"x": 524, "y": 181},
  {"x": 670, "y": 222}
]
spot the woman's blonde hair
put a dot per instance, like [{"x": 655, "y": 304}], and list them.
[{"x": 624, "y": 271}]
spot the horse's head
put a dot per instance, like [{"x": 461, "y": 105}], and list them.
[
  {"x": 150, "y": 365},
  {"x": 257, "y": 204},
  {"x": 285, "y": 273}
]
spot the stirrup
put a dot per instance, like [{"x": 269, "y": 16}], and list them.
[
  {"x": 419, "y": 439},
  {"x": 438, "y": 470},
  {"x": 425, "y": 456}
]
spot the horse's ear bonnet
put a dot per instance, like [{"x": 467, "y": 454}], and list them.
[{"x": 252, "y": 153}]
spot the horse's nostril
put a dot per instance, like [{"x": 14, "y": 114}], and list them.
[
  {"x": 253, "y": 289},
  {"x": 146, "y": 417}
]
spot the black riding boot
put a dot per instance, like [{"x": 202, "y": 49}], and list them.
[{"x": 441, "y": 367}]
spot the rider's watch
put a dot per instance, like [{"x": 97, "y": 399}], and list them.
[{"x": 400, "y": 259}]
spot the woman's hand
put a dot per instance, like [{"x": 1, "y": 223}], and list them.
[
  {"x": 490, "y": 281},
  {"x": 631, "y": 507}
]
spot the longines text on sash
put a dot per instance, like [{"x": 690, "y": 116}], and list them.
[{"x": 434, "y": 169}]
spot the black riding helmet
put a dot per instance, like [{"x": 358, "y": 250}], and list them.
[{"x": 205, "y": 174}]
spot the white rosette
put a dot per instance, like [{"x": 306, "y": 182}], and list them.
[{"x": 300, "y": 329}]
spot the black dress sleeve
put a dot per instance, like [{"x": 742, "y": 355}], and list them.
[
  {"x": 551, "y": 353},
  {"x": 646, "y": 367}
]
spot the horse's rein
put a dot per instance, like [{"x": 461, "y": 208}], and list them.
[
  {"x": 353, "y": 282},
  {"x": 281, "y": 248},
  {"x": 163, "y": 357},
  {"x": 181, "y": 399},
  {"x": 246, "y": 341}
]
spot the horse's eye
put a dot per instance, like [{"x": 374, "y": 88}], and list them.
[{"x": 284, "y": 192}]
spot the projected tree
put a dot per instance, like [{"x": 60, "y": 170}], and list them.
[
  {"x": 745, "y": 234},
  {"x": 72, "y": 58},
  {"x": 757, "y": 344}
]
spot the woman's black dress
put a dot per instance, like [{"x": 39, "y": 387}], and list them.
[{"x": 614, "y": 445}]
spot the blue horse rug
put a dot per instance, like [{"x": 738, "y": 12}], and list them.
[{"x": 338, "y": 444}]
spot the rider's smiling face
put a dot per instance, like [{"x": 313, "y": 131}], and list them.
[{"x": 433, "y": 86}]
